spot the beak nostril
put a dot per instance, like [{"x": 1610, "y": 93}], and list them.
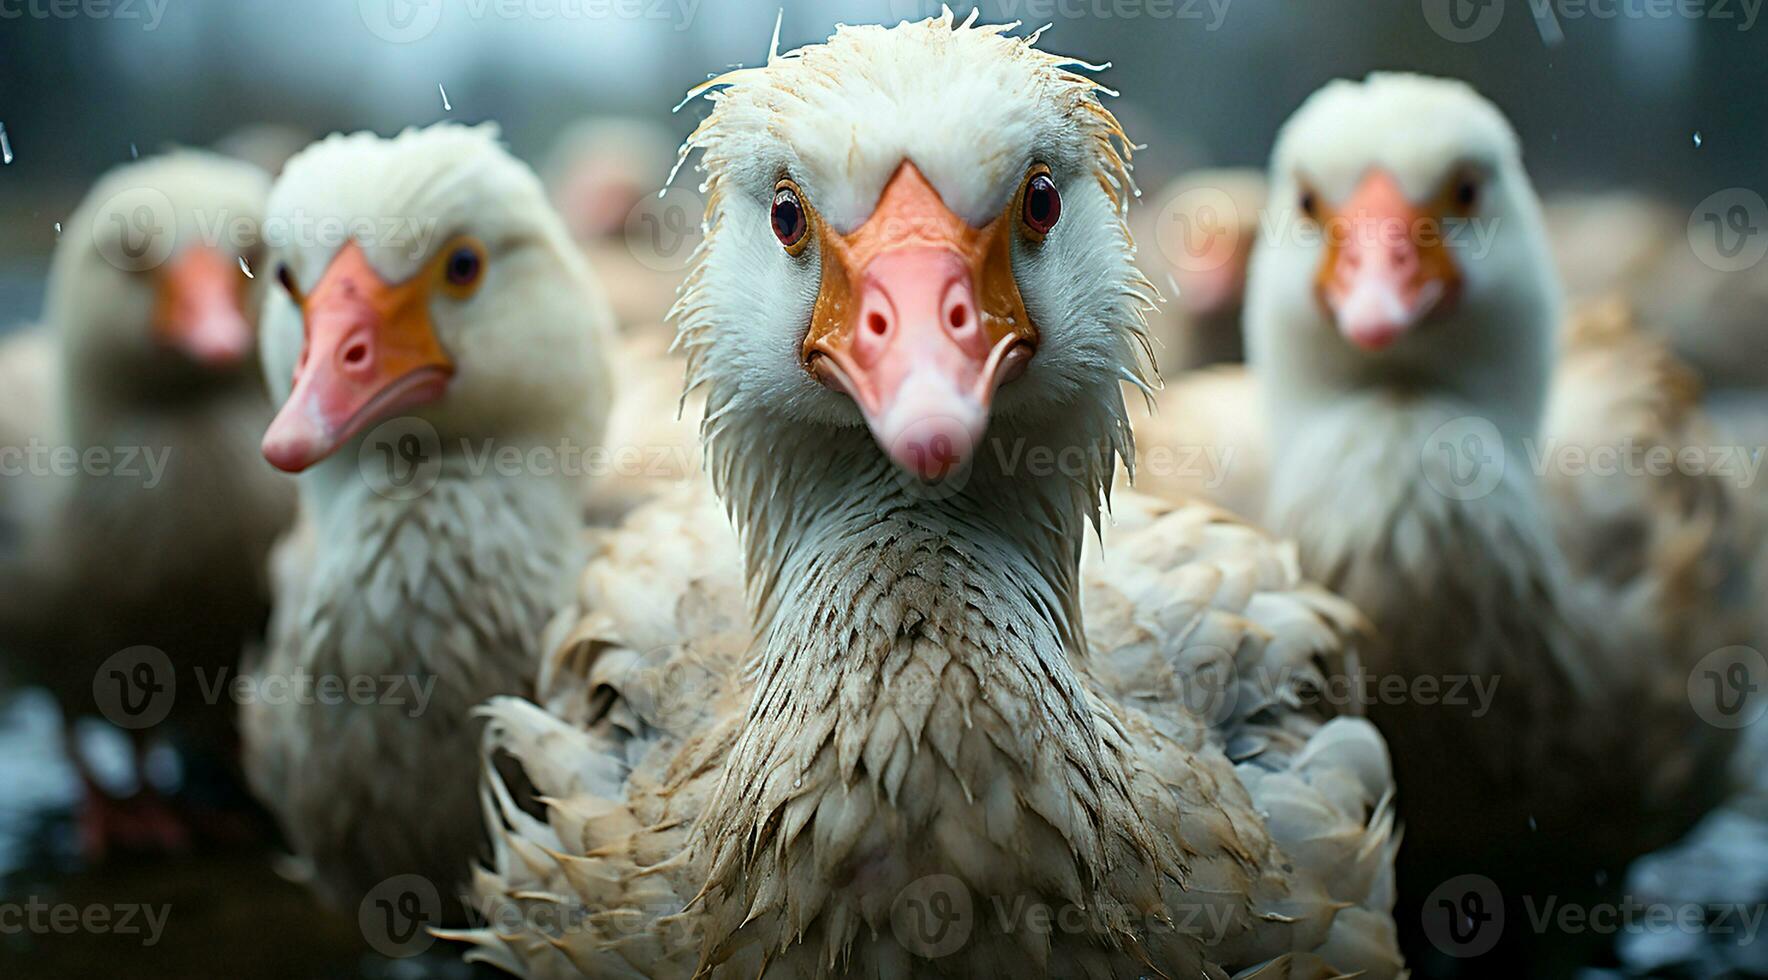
[
  {"x": 355, "y": 354},
  {"x": 960, "y": 316},
  {"x": 877, "y": 324}
]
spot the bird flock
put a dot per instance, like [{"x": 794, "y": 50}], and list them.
[{"x": 888, "y": 615}]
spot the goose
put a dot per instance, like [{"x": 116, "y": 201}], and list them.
[
  {"x": 1689, "y": 274},
  {"x": 1404, "y": 324},
  {"x": 454, "y": 326},
  {"x": 1203, "y": 229},
  {"x": 910, "y": 717},
  {"x": 600, "y": 174},
  {"x": 161, "y": 542}
]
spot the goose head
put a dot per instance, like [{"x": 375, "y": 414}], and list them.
[
  {"x": 149, "y": 287},
  {"x": 424, "y": 276},
  {"x": 1404, "y": 245},
  {"x": 916, "y": 253}
]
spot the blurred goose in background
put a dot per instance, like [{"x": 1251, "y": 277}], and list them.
[
  {"x": 599, "y": 174},
  {"x": 1198, "y": 234},
  {"x": 918, "y": 721},
  {"x": 1712, "y": 309},
  {"x": 29, "y": 406},
  {"x": 268, "y": 145},
  {"x": 458, "y": 331},
  {"x": 1404, "y": 358},
  {"x": 159, "y": 539}
]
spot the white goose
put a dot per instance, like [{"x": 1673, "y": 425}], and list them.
[
  {"x": 890, "y": 307},
  {"x": 160, "y": 537},
  {"x": 460, "y": 315},
  {"x": 1404, "y": 359}
]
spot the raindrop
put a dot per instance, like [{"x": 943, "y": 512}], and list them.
[
  {"x": 5, "y": 146},
  {"x": 1532, "y": 822},
  {"x": 245, "y": 268},
  {"x": 134, "y": 154},
  {"x": 445, "y": 106},
  {"x": 58, "y": 229},
  {"x": 1697, "y": 139}
]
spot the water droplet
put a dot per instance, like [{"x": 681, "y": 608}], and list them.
[
  {"x": 58, "y": 229},
  {"x": 445, "y": 106},
  {"x": 798, "y": 783},
  {"x": 5, "y": 146},
  {"x": 1697, "y": 139},
  {"x": 245, "y": 268},
  {"x": 134, "y": 154},
  {"x": 1532, "y": 822}
]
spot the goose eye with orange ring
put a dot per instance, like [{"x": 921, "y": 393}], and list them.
[
  {"x": 791, "y": 224},
  {"x": 462, "y": 267},
  {"x": 1042, "y": 204}
]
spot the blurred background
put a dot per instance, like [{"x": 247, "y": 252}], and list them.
[{"x": 1665, "y": 100}]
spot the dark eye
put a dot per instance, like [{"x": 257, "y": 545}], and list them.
[
  {"x": 287, "y": 278},
  {"x": 1466, "y": 193},
  {"x": 464, "y": 266},
  {"x": 789, "y": 224},
  {"x": 1043, "y": 205},
  {"x": 1310, "y": 204}
]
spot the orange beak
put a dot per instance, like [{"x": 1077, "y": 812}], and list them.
[
  {"x": 919, "y": 320},
  {"x": 370, "y": 352},
  {"x": 1387, "y": 265},
  {"x": 197, "y": 308}
]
